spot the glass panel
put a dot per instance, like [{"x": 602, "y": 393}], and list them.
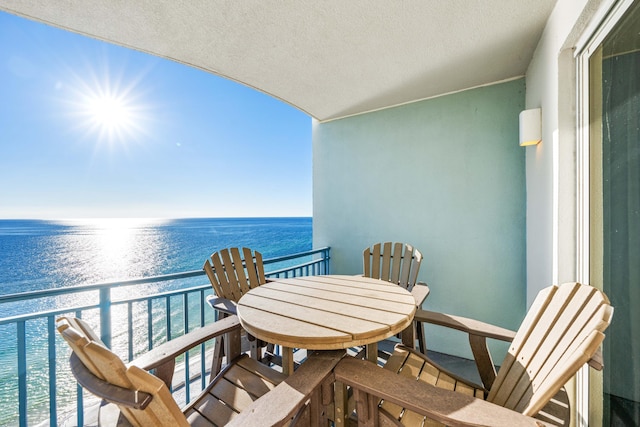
[{"x": 615, "y": 210}]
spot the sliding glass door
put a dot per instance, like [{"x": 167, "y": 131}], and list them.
[{"x": 614, "y": 212}]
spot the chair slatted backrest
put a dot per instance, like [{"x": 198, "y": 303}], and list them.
[
  {"x": 561, "y": 332},
  {"x": 104, "y": 364},
  {"x": 394, "y": 262},
  {"x": 232, "y": 274}
]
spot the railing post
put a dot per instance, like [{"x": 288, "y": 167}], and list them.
[
  {"x": 105, "y": 316},
  {"x": 22, "y": 372},
  {"x": 53, "y": 408},
  {"x": 187, "y": 376},
  {"x": 130, "y": 329},
  {"x": 79, "y": 395},
  {"x": 325, "y": 256},
  {"x": 150, "y": 323}
]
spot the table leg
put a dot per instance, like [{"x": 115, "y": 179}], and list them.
[
  {"x": 371, "y": 352},
  {"x": 287, "y": 360},
  {"x": 408, "y": 336}
]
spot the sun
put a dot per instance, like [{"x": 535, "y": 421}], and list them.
[
  {"x": 109, "y": 108},
  {"x": 111, "y": 114}
]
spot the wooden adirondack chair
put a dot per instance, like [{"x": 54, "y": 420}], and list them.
[
  {"x": 232, "y": 274},
  {"x": 561, "y": 332},
  {"x": 145, "y": 399},
  {"x": 398, "y": 263}
]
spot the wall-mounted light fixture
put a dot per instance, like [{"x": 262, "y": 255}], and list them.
[{"x": 530, "y": 127}]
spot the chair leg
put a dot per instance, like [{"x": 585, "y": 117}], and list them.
[
  {"x": 218, "y": 354},
  {"x": 422, "y": 346},
  {"x": 254, "y": 348}
]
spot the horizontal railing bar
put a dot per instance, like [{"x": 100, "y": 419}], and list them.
[{"x": 21, "y": 296}]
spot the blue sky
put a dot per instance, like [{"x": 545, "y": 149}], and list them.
[{"x": 88, "y": 129}]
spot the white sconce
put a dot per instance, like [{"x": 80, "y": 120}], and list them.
[{"x": 530, "y": 127}]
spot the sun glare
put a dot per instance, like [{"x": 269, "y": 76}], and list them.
[
  {"x": 110, "y": 113},
  {"x": 114, "y": 117},
  {"x": 108, "y": 110}
]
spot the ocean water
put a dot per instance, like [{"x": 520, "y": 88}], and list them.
[{"x": 37, "y": 255}]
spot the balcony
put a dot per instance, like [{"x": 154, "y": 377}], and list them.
[{"x": 133, "y": 316}]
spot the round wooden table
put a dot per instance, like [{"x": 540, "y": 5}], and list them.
[{"x": 326, "y": 313}]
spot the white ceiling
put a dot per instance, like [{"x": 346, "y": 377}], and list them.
[{"x": 331, "y": 58}]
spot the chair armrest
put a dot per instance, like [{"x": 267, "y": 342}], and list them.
[
  {"x": 168, "y": 351},
  {"x": 464, "y": 324},
  {"x": 223, "y": 305},
  {"x": 478, "y": 332},
  {"x": 420, "y": 292},
  {"x": 288, "y": 399},
  {"x": 107, "y": 391},
  {"x": 445, "y": 406}
]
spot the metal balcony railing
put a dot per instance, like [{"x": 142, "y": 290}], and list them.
[{"x": 132, "y": 316}]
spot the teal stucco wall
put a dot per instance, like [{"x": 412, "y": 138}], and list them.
[{"x": 446, "y": 175}]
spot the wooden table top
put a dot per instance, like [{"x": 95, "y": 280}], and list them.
[{"x": 326, "y": 312}]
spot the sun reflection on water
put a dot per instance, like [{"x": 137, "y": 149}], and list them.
[
  {"x": 112, "y": 248},
  {"x": 117, "y": 243}
]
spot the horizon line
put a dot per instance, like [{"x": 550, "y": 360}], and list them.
[{"x": 152, "y": 218}]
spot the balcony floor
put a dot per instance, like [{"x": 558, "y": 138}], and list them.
[{"x": 465, "y": 368}]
